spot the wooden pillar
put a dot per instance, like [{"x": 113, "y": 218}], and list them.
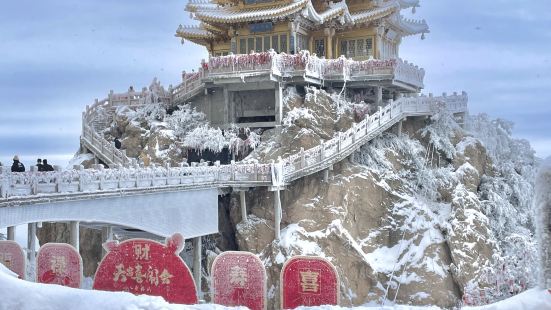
[
  {"x": 31, "y": 243},
  {"x": 326, "y": 175},
  {"x": 329, "y": 33},
  {"x": 243, "y": 205},
  {"x": 106, "y": 235},
  {"x": 11, "y": 233},
  {"x": 277, "y": 213},
  {"x": 197, "y": 244},
  {"x": 75, "y": 234},
  {"x": 311, "y": 44}
]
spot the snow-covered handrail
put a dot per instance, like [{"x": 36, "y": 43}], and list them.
[
  {"x": 301, "y": 64},
  {"x": 288, "y": 169},
  {"x": 345, "y": 143},
  {"x": 191, "y": 83},
  {"x": 341, "y": 68},
  {"x": 98, "y": 180}
]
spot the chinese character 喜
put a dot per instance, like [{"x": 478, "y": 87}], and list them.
[{"x": 309, "y": 281}]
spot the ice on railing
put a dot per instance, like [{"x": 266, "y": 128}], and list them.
[
  {"x": 94, "y": 180},
  {"x": 346, "y": 142}
]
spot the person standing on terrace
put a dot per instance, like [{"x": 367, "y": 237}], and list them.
[{"x": 17, "y": 166}]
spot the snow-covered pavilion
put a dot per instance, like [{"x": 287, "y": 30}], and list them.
[{"x": 358, "y": 29}]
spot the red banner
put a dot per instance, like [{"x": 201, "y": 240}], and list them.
[
  {"x": 309, "y": 281},
  {"x": 142, "y": 266},
  {"x": 239, "y": 279},
  {"x": 59, "y": 263},
  {"x": 12, "y": 256}
]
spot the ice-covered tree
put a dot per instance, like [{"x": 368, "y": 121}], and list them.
[{"x": 543, "y": 223}]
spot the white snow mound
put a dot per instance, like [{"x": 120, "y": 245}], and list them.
[{"x": 23, "y": 295}]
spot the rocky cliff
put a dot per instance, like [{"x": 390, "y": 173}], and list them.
[{"x": 426, "y": 217}]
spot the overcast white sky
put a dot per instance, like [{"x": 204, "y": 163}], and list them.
[{"x": 56, "y": 56}]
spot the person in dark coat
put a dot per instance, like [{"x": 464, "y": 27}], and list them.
[
  {"x": 118, "y": 143},
  {"x": 46, "y": 166},
  {"x": 39, "y": 165},
  {"x": 17, "y": 166}
]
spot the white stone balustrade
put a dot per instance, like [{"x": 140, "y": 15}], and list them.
[
  {"x": 304, "y": 63},
  {"x": 298, "y": 165},
  {"x": 17, "y": 184}
]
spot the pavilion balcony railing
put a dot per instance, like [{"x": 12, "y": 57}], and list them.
[{"x": 301, "y": 64}]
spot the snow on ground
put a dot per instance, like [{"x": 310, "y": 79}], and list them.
[
  {"x": 23, "y": 295},
  {"x": 533, "y": 299}
]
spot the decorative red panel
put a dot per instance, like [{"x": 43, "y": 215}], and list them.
[
  {"x": 309, "y": 281},
  {"x": 12, "y": 256},
  {"x": 239, "y": 279},
  {"x": 142, "y": 266},
  {"x": 59, "y": 263}
]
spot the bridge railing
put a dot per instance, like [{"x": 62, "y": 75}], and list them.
[
  {"x": 331, "y": 151},
  {"x": 303, "y": 163},
  {"x": 95, "y": 180}
]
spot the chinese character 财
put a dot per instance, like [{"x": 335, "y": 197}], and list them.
[{"x": 141, "y": 252}]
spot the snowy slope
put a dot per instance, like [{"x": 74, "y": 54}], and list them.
[{"x": 23, "y": 295}]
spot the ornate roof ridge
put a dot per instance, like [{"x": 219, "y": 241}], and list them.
[
  {"x": 230, "y": 14},
  {"x": 335, "y": 9},
  {"x": 410, "y": 26},
  {"x": 376, "y": 13},
  {"x": 404, "y": 4}
]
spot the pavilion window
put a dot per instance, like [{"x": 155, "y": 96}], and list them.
[
  {"x": 358, "y": 47},
  {"x": 369, "y": 46},
  {"x": 250, "y": 45},
  {"x": 275, "y": 43},
  {"x": 243, "y": 46},
  {"x": 259, "y": 45},
  {"x": 302, "y": 43},
  {"x": 283, "y": 43},
  {"x": 352, "y": 48},
  {"x": 267, "y": 41},
  {"x": 319, "y": 47}
]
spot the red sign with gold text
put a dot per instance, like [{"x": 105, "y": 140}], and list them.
[
  {"x": 142, "y": 266},
  {"x": 309, "y": 281},
  {"x": 12, "y": 256},
  {"x": 59, "y": 263},
  {"x": 239, "y": 279}
]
